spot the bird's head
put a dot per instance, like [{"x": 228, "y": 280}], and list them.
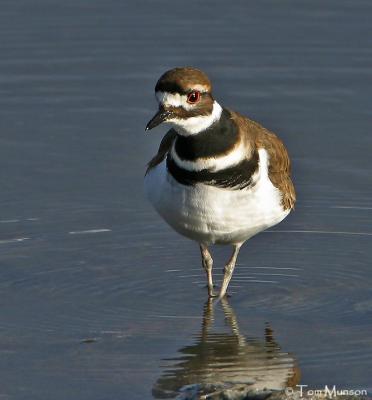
[{"x": 185, "y": 101}]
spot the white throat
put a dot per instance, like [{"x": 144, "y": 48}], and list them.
[{"x": 195, "y": 125}]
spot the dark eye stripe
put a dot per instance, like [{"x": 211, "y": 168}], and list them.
[{"x": 170, "y": 87}]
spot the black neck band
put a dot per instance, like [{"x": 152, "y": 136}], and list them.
[{"x": 214, "y": 141}]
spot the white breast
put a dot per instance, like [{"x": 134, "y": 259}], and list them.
[{"x": 211, "y": 215}]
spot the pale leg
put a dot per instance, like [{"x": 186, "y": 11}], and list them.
[
  {"x": 207, "y": 319},
  {"x": 207, "y": 262},
  {"x": 229, "y": 269},
  {"x": 233, "y": 321}
]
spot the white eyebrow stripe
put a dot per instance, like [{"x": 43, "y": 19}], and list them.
[{"x": 173, "y": 100}]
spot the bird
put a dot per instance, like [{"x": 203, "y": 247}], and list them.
[
  {"x": 237, "y": 364},
  {"x": 218, "y": 177}
]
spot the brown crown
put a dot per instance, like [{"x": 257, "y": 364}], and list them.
[{"x": 183, "y": 80}]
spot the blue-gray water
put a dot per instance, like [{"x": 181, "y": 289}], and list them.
[{"x": 99, "y": 299}]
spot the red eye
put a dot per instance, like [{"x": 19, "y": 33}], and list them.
[{"x": 193, "y": 97}]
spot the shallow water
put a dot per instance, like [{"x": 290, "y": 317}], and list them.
[{"x": 99, "y": 299}]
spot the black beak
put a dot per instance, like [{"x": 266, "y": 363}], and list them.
[{"x": 161, "y": 116}]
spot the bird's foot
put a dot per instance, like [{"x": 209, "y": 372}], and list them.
[
  {"x": 224, "y": 296},
  {"x": 211, "y": 293},
  {"x": 214, "y": 286}
]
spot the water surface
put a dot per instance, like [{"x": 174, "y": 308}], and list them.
[{"x": 99, "y": 298}]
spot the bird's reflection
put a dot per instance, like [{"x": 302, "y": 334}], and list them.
[{"x": 219, "y": 361}]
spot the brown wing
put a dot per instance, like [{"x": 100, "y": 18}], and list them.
[
  {"x": 164, "y": 147},
  {"x": 256, "y": 136},
  {"x": 279, "y": 166}
]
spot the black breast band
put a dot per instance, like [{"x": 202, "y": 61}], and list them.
[{"x": 236, "y": 177}]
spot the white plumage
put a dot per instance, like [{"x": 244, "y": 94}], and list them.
[{"x": 212, "y": 215}]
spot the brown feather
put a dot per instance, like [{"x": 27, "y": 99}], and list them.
[
  {"x": 164, "y": 147},
  {"x": 183, "y": 80},
  {"x": 258, "y": 137}
]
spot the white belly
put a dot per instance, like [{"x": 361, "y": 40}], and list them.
[{"x": 211, "y": 215}]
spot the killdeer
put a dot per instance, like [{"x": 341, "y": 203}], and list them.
[{"x": 218, "y": 177}]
